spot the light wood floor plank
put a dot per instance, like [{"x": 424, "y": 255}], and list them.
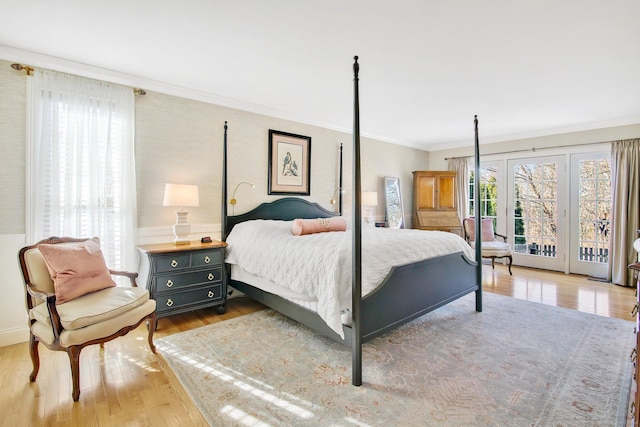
[{"x": 127, "y": 385}]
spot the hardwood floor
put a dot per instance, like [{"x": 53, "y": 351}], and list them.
[{"x": 125, "y": 384}]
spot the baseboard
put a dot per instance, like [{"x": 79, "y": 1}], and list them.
[
  {"x": 13, "y": 336},
  {"x": 13, "y": 314}
]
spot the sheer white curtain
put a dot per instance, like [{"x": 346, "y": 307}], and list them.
[
  {"x": 81, "y": 166},
  {"x": 625, "y": 212},
  {"x": 461, "y": 167}
]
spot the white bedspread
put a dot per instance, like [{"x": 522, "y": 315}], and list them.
[{"x": 319, "y": 265}]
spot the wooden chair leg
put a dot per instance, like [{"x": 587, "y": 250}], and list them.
[
  {"x": 153, "y": 323},
  {"x": 493, "y": 262},
  {"x": 35, "y": 357},
  {"x": 74, "y": 360},
  {"x": 510, "y": 261}
]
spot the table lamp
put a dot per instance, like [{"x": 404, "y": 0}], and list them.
[{"x": 370, "y": 200}]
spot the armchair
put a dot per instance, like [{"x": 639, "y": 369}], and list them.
[
  {"x": 78, "y": 307},
  {"x": 491, "y": 246}
]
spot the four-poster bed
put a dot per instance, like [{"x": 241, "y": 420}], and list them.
[{"x": 407, "y": 292}]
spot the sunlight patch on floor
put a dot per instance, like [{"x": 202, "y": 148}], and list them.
[
  {"x": 242, "y": 417},
  {"x": 232, "y": 376},
  {"x": 140, "y": 363}
]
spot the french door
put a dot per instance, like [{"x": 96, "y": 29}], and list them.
[
  {"x": 537, "y": 203},
  {"x": 590, "y": 214}
]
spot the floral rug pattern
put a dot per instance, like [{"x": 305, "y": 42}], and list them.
[{"x": 515, "y": 364}]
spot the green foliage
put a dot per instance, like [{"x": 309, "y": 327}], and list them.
[{"x": 488, "y": 197}]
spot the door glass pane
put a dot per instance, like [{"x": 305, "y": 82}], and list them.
[
  {"x": 536, "y": 206},
  {"x": 594, "y": 206},
  {"x": 488, "y": 193}
]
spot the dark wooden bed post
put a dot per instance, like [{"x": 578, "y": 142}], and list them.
[
  {"x": 356, "y": 279},
  {"x": 223, "y": 218},
  {"x": 478, "y": 225},
  {"x": 340, "y": 183}
]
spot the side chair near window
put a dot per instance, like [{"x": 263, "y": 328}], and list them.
[
  {"x": 73, "y": 301},
  {"x": 491, "y": 246}
]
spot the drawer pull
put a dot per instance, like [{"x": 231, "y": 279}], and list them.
[
  {"x": 169, "y": 283},
  {"x": 169, "y": 302},
  {"x": 207, "y": 260},
  {"x": 210, "y": 276},
  {"x": 634, "y": 311},
  {"x": 174, "y": 263},
  {"x": 211, "y": 294}
]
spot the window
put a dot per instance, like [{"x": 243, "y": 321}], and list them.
[
  {"x": 594, "y": 208},
  {"x": 81, "y": 173},
  {"x": 536, "y": 208},
  {"x": 488, "y": 193}
]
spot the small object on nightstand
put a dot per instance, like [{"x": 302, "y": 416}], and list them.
[
  {"x": 206, "y": 239},
  {"x": 380, "y": 224}
]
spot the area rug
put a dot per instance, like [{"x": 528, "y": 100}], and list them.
[{"x": 517, "y": 363}]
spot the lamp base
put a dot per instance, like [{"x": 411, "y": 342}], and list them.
[
  {"x": 369, "y": 216},
  {"x": 181, "y": 229}
]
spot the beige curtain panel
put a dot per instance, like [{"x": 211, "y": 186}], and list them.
[
  {"x": 461, "y": 167},
  {"x": 625, "y": 210}
]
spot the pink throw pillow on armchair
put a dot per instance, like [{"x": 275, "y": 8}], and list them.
[
  {"x": 486, "y": 229},
  {"x": 300, "y": 227},
  {"x": 76, "y": 270}
]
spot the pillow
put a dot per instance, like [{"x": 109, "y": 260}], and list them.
[
  {"x": 76, "y": 270},
  {"x": 486, "y": 230},
  {"x": 300, "y": 227}
]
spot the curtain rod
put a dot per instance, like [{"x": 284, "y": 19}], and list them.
[
  {"x": 30, "y": 70},
  {"x": 532, "y": 149}
]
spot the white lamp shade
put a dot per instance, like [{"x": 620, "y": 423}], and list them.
[
  {"x": 369, "y": 198},
  {"x": 181, "y": 195}
]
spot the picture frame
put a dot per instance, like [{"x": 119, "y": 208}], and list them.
[{"x": 289, "y": 163}]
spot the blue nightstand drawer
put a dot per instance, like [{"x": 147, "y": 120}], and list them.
[
  {"x": 171, "y": 262},
  {"x": 200, "y": 296},
  {"x": 174, "y": 281},
  {"x": 204, "y": 258}
]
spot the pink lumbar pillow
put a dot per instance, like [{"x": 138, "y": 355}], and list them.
[
  {"x": 76, "y": 270},
  {"x": 319, "y": 225}
]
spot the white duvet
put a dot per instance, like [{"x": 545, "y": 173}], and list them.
[{"x": 319, "y": 265}]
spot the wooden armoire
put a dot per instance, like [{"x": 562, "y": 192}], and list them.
[{"x": 435, "y": 204}]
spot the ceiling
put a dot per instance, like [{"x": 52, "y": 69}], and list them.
[{"x": 526, "y": 68}]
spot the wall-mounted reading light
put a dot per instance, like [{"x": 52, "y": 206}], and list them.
[
  {"x": 233, "y": 200},
  {"x": 333, "y": 200}
]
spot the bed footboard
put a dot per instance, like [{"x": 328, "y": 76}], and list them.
[
  {"x": 411, "y": 290},
  {"x": 408, "y": 292}
]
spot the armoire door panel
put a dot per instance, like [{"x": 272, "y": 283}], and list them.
[
  {"x": 426, "y": 192},
  {"x": 447, "y": 192}
]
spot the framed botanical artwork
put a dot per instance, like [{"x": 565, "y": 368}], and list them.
[{"x": 289, "y": 163}]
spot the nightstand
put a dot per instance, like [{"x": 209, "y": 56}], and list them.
[{"x": 184, "y": 277}]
